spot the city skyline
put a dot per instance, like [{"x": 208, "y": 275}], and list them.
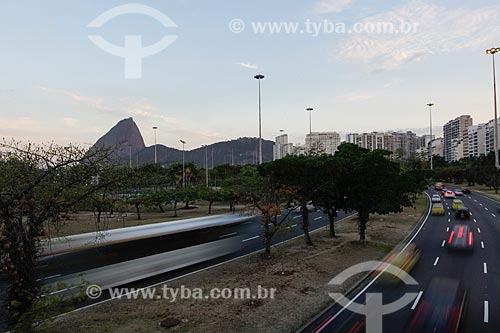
[{"x": 74, "y": 92}]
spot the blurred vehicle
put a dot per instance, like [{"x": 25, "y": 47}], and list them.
[
  {"x": 460, "y": 238},
  {"x": 437, "y": 209},
  {"x": 459, "y": 193},
  {"x": 449, "y": 195},
  {"x": 436, "y": 198},
  {"x": 404, "y": 261},
  {"x": 465, "y": 190},
  {"x": 310, "y": 208},
  {"x": 438, "y": 186},
  {"x": 441, "y": 308},
  {"x": 462, "y": 213},
  {"x": 457, "y": 204}
]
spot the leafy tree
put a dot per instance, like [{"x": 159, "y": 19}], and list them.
[
  {"x": 210, "y": 195},
  {"x": 38, "y": 184}
]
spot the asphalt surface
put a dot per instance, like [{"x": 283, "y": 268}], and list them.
[{"x": 479, "y": 271}]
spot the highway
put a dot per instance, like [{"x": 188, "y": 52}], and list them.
[{"x": 479, "y": 271}]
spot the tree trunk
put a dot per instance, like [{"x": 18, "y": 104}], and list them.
[
  {"x": 210, "y": 203},
  {"x": 332, "y": 214},
  {"x": 175, "y": 208},
  {"x": 363, "y": 219},
  {"x": 267, "y": 241},
  {"x": 305, "y": 224},
  {"x": 161, "y": 208},
  {"x": 138, "y": 211}
]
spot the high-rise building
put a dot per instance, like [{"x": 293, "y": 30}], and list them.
[
  {"x": 452, "y": 130},
  {"x": 423, "y": 146},
  {"x": 396, "y": 142},
  {"x": 326, "y": 142},
  {"x": 281, "y": 147},
  {"x": 476, "y": 137}
]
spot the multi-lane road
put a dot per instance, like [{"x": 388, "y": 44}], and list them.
[{"x": 479, "y": 271}]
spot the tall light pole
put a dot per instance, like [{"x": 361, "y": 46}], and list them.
[
  {"x": 156, "y": 156},
  {"x": 183, "y": 165},
  {"x": 310, "y": 111},
  {"x": 492, "y": 52},
  {"x": 206, "y": 164},
  {"x": 260, "y": 77},
  {"x": 430, "y": 105}
]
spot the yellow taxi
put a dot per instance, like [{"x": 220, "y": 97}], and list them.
[
  {"x": 457, "y": 204},
  {"x": 437, "y": 209}
]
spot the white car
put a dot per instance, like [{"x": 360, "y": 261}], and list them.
[
  {"x": 459, "y": 193},
  {"x": 436, "y": 198}
]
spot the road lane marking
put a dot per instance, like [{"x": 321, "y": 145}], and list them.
[
  {"x": 475, "y": 221},
  {"x": 249, "y": 239},
  {"x": 482, "y": 244},
  {"x": 448, "y": 229},
  {"x": 493, "y": 215},
  {"x": 486, "y": 208},
  {"x": 414, "y": 306},
  {"x": 481, "y": 204},
  {"x": 318, "y": 218},
  {"x": 228, "y": 235},
  {"x": 478, "y": 230},
  {"x": 486, "y": 312},
  {"x": 449, "y": 220},
  {"x": 443, "y": 244},
  {"x": 49, "y": 277},
  {"x": 449, "y": 213},
  {"x": 485, "y": 268},
  {"x": 436, "y": 261},
  {"x": 297, "y": 217},
  {"x": 475, "y": 200}
]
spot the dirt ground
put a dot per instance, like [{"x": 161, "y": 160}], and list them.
[
  {"x": 299, "y": 273},
  {"x": 84, "y": 222}
]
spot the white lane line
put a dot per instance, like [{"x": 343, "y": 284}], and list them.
[
  {"x": 485, "y": 268},
  {"x": 486, "y": 208},
  {"x": 297, "y": 217},
  {"x": 482, "y": 244},
  {"x": 475, "y": 221},
  {"x": 493, "y": 215},
  {"x": 414, "y": 306},
  {"x": 49, "y": 277},
  {"x": 475, "y": 200},
  {"x": 486, "y": 312},
  {"x": 443, "y": 244},
  {"x": 481, "y": 204},
  {"x": 228, "y": 235},
  {"x": 448, "y": 229},
  {"x": 292, "y": 226},
  {"x": 449, "y": 213},
  {"x": 470, "y": 214},
  {"x": 478, "y": 230},
  {"x": 318, "y": 218},
  {"x": 249, "y": 239},
  {"x": 436, "y": 261},
  {"x": 449, "y": 220}
]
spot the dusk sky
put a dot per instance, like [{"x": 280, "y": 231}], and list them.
[{"x": 55, "y": 84}]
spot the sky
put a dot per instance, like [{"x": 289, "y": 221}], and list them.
[{"x": 375, "y": 70}]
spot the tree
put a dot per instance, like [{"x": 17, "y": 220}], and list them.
[
  {"x": 210, "y": 195},
  {"x": 376, "y": 187},
  {"x": 37, "y": 184}
]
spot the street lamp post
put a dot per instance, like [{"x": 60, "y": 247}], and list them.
[
  {"x": 206, "y": 164},
  {"x": 183, "y": 165},
  {"x": 430, "y": 105},
  {"x": 310, "y": 111},
  {"x": 156, "y": 156},
  {"x": 492, "y": 52},
  {"x": 260, "y": 77}
]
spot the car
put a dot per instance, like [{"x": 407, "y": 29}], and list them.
[
  {"x": 438, "y": 186},
  {"x": 459, "y": 193},
  {"x": 437, "y": 209},
  {"x": 310, "y": 208},
  {"x": 457, "y": 204},
  {"x": 441, "y": 307},
  {"x": 404, "y": 260},
  {"x": 461, "y": 238},
  {"x": 436, "y": 198},
  {"x": 465, "y": 190},
  {"x": 462, "y": 213},
  {"x": 449, "y": 195}
]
